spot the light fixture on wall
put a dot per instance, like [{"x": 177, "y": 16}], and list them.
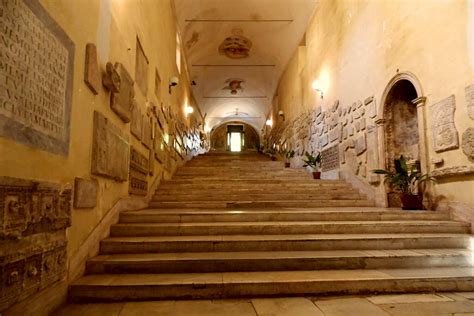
[
  {"x": 188, "y": 110},
  {"x": 316, "y": 87},
  {"x": 174, "y": 81},
  {"x": 207, "y": 128},
  {"x": 269, "y": 122},
  {"x": 282, "y": 115}
]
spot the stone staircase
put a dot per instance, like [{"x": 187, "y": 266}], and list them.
[{"x": 240, "y": 225}]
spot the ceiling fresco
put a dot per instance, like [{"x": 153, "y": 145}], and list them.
[{"x": 236, "y": 52}]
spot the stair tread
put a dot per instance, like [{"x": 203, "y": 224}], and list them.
[
  {"x": 279, "y": 237},
  {"x": 268, "y": 255},
  {"x": 271, "y": 276}
]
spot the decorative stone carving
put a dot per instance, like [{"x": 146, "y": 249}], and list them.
[
  {"x": 85, "y": 193},
  {"x": 91, "y": 69},
  {"x": 469, "y": 90},
  {"x": 110, "y": 150},
  {"x": 136, "y": 124},
  {"x": 111, "y": 78},
  {"x": 121, "y": 101},
  {"x": 445, "y": 135},
  {"x": 372, "y": 154},
  {"x": 452, "y": 171},
  {"x": 360, "y": 145},
  {"x": 139, "y": 168},
  {"x": 468, "y": 143},
  {"x": 33, "y": 217},
  {"x": 141, "y": 69},
  {"x": 36, "y": 84},
  {"x": 330, "y": 158}
]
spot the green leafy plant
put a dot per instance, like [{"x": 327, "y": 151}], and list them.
[
  {"x": 272, "y": 152},
  {"x": 403, "y": 178},
  {"x": 312, "y": 161},
  {"x": 287, "y": 154}
]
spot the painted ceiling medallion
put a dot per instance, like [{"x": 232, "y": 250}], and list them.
[
  {"x": 233, "y": 85},
  {"x": 236, "y": 46}
]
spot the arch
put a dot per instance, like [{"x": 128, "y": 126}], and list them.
[
  {"x": 412, "y": 96},
  {"x": 218, "y": 136}
]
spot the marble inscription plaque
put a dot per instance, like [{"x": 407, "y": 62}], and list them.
[
  {"x": 468, "y": 143},
  {"x": 36, "y": 73},
  {"x": 110, "y": 150},
  {"x": 469, "y": 91},
  {"x": 141, "y": 69},
  {"x": 121, "y": 102},
  {"x": 139, "y": 168},
  {"x": 91, "y": 71},
  {"x": 138, "y": 161},
  {"x": 330, "y": 158},
  {"x": 445, "y": 136},
  {"x": 136, "y": 124},
  {"x": 85, "y": 193}
]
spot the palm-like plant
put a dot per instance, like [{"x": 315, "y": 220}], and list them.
[
  {"x": 287, "y": 154},
  {"x": 404, "y": 179},
  {"x": 312, "y": 161}
]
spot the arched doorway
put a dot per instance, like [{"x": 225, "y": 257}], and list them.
[
  {"x": 228, "y": 136},
  {"x": 403, "y": 126}
]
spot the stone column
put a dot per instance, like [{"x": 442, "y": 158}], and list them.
[
  {"x": 424, "y": 161},
  {"x": 381, "y": 199}
]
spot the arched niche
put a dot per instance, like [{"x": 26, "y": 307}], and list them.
[
  {"x": 219, "y": 136},
  {"x": 401, "y": 123}
]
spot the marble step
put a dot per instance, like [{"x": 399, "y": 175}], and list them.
[
  {"x": 255, "y": 191},
  {"x": 277, "y": 228},
  {"x": 292, "y": 242},
  {"x": 255, "y": 215},
  {"x": 110, "y": 287},
  {"x": 231, "y": 196},
  {"x": 277, "y": 261},
  {"x": 223, "y": 184},
  {"x": 256, "y": 204},
  {"x": 256, "y": 181}
]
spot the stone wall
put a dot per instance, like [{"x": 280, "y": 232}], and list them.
[
  {"x": 91, "y": 128},
  {"x": 352, "y": 50}
]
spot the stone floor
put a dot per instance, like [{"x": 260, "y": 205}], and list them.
[{"x": 458, "y": 303}]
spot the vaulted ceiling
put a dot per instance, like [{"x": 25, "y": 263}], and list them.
[{"x": 236, "y": 51}]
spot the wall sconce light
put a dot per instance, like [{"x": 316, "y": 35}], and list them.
[
  {"x": 315, "y": 86},
  {"x": 281, "y": 114},
  {"x": 207, "y": 129},
  {"x": 188, "y": 110},
  {"x": 269, "y": 122},
  {"x": 174, "y": 81}
]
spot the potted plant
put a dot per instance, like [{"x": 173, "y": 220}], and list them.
[
  {"x": 272, "y": 153},
  {"x": 314, "y": 162},
  {"x": 288, "y": 154},
  {"x": 405, "y": 180}
]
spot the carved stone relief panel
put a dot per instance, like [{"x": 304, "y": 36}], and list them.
[
  {"x": 110, "y": 150},
  {"x": 35, "y": 78},
  {"x": 469, "y": 91},
  {"x": 445, "y": 135},
  {"x": 468, "y": 143},
  {"x": 330, "y": 158},
  {"x": 85, "y": 193},
  {"x": 121, "y": 101},
  {"x": 139, "y": 168},
  {"x": 141, "y": 69},
  {"x": 33, "y": 219},
  {"x": 91, "y": 71},
  {"x": 136, "y": 124}
]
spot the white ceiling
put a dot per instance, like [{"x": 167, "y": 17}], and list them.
[{"x": 274, "y": 27}]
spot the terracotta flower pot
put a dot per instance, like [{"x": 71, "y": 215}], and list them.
[
  {"x": 273, "y": 158},
  {"x": 287, "y": 165},
  {"x": 411, "y": 202},
  {"x": 316, "y": 175}
]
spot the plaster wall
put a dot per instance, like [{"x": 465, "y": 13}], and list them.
[
  {"x": 113, "y": 25},
  {"x": 354, "y": 48}
]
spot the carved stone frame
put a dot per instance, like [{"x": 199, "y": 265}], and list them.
[{"x": 419, "y": 102}]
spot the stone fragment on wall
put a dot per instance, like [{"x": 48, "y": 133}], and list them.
[
  {"x": 85, "y": 193},
  {"x": 33, "y": 218},
  {"x": 141, "y": 68},
  {"x": 147, "y": 132},
  {"x": 372, "y": 154},
  {"x": 445, "y": 136},
  {"x": 91, "y": 71},
  {"x": 330, "y": 158},
  {"x": 361, "y": 144},
  {"x": 452, "y": 171},
  {"x": 110, "y": 150},
  {"x": 335, "y": 134},
  {"x": 111, "y": 78},
  {"x": 323, "y": 140},
  {"x": 371, "y": 106},
  {"x": 139, "y": 169},
  {"x": 468, "y": 143},
  {"x": 121, "y": 101},
  {"x": 469, "y": 91},
  {"x": 136, "y": 124}
]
